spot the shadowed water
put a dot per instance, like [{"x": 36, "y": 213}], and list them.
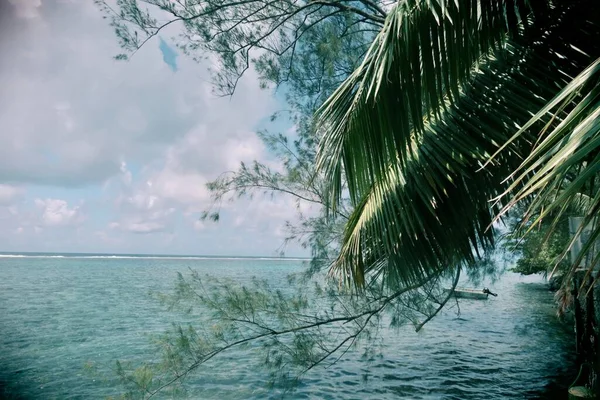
[{"x": 58, "y": 315}]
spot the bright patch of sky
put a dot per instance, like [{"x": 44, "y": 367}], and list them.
[
  {"x": 99, "y": 155},
  {"x": 169, "y": 55}
]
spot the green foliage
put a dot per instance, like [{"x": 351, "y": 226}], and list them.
[
  {"x": 539, "y": 250},
  {"x": 278, "y": 38},
  {"x": 560, "y": 175},
  {"x": 443, "y": 86},
  {"x": 285, "y": 331},
  {"x": 330, "y": 50},
  {"x": 298, "y": 181}
]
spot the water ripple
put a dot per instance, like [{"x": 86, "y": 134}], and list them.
[{"x": 57, "y": 314}]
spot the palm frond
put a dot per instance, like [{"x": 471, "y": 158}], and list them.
[
  {"x": 411, "y": 129},
  {"x": 565, "y": 162},
  {"x": 415, "y": 69}
]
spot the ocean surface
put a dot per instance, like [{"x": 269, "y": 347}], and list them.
[{"x": 61, "y": 314}]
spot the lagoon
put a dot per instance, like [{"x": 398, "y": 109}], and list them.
[{"x": 61, "y": 313}]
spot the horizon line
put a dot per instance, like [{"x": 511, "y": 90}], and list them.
[{"x": 140, "y": 255}]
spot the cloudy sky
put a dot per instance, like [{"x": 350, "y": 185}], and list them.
[{"x": 98, "y": 155}]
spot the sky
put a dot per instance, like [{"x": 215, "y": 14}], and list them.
[{"x": 106, "y": 156}]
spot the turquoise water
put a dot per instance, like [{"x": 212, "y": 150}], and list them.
[{"x": 58, "y": 314}]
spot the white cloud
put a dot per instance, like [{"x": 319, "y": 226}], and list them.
[
  {"x": 186, "y": 189},
  {"x": 70, "y": 114},
  {"x": 125, "y": 174},
  {"x": 140, "y": 227},
  {"x": 27, "y": 9},
  {"x": 178, "y": 179},
  {"x": 143, "y": 213},
  {"x": 56, "y": 212},
  {"x": 136, "y": 141},
  {"x": 198, "y": 225},
  {"x": 9, "y": 194},
  {"x": 266, "y": 217}
]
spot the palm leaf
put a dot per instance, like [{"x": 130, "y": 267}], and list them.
[
  {"x": 410, "y": 137},
  {"x": 424, "y": 54},
  {"x": 566, "y": 162}
]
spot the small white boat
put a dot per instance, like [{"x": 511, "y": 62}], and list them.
[{"x": 464, "y": 293}]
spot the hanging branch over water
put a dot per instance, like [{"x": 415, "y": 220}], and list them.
[
  {"x": 442, "y": 303},
  {"x": 290, "y": 331}
]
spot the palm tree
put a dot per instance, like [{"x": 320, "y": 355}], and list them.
[{"x": 460, "y": 110}]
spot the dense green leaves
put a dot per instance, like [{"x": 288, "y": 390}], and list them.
[
  {"x": 416, "y": 67},
  {"x": 411, "y": 129},
  {"x": 561, "y": 172},
  {"x": 537, "y": 251}
]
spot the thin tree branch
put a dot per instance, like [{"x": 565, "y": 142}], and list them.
[
  {"x": 374, "y": 7},
  {"x": 358, "y": 11},
  {"x": 443, "y": 303},
  {"x": 370, "y": 313}
]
